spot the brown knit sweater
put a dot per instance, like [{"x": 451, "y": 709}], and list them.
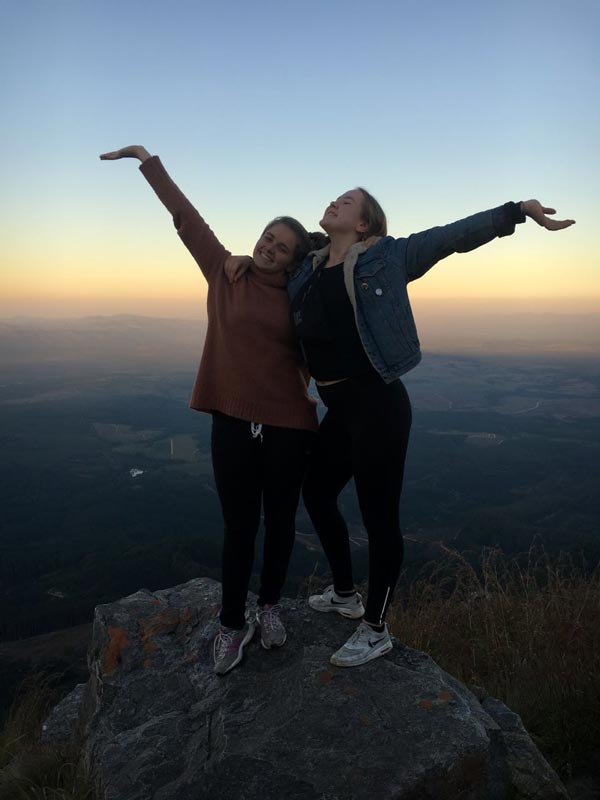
[{"x": 251, "y": 366}]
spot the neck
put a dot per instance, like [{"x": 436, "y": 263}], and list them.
[{"x": 339, "y": 248}]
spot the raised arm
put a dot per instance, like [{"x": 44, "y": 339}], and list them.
[
  {"x": 207, "y": 250},
  {"x": 420, "y": 251}
]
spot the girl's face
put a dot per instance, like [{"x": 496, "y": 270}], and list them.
[
  {"x": 344, "y": 215},
  {"x": 275, "y": 250}
]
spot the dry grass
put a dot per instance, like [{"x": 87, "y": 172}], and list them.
[
  {"x": 527, "y": 630},
  {"x": 30, "y": 770}
]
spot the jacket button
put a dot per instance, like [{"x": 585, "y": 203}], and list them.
[
  {"x": 378, "y": 292},
  {"x": 364, "y": 285}
]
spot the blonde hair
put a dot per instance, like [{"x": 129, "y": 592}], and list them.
[{"x": 373, "y": 215}]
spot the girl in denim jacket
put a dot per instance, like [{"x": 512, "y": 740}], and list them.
[{"x": 352, "y": 315}]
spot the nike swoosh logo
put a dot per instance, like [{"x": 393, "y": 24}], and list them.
[
  {"x": 335, "y": 603},
  {"x": 372, "y": 644}
]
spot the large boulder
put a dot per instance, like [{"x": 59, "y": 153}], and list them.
[{"x": 157, "y": 724}]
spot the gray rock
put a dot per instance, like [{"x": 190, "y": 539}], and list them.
[
  {"x": 530, "y": 773},
  {"x": 157, "y": 724},
  {"x": 61, "y": 727}
]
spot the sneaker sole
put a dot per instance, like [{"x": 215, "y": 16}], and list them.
[
  {"x": 247, "y": 638},
  {"x": 365, "y": 659},
  {"x": 344, "y": 612}
]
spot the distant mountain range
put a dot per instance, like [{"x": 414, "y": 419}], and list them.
[
  {"x": 120, "y": 339},
  {"x": 127, "y": 339}
]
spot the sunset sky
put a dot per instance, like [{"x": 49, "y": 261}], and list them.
[{"x": 264, "y": 108}]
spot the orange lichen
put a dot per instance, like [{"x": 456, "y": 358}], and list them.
[
  {"x": 446, "y": 696},
  {"x": 352, "y": 691},
  {"x": 325, "y": 677},
  {"x": 185, "y": 616},
  {"x": 426, "y": 705},
  {"x": 118, "y": 640},
  {"x": 161, "y": 623},
  {"x": 148, "y": 663}
]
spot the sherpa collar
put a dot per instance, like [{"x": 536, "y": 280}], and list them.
[{"x": 320, "y": 256}]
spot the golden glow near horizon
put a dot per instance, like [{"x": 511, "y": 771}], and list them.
[
  {"x": 266, "y": 135},
  {"x": 164, "y": 280}
]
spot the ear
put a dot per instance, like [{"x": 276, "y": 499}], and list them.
[{"x": 361, "y": 227}]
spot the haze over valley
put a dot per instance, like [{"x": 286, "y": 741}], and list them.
[{"x": 107, "y": 483}]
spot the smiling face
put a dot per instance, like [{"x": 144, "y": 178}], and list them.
[
  {"x": 275, "y": 251},
  {"x": 345, "y": 215}
]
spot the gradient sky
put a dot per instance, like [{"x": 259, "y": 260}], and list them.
[{"x": 265, "y": 108}]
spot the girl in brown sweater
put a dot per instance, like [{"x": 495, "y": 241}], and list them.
[{"x": 252, "y": 381}]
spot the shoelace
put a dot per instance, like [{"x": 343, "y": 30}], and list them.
[
  {"x": 363, "y": 632},
  {"x": 269, "y": 618},
  {"x": 222, "y": 643},
  {"x": 358, "y": 634}
]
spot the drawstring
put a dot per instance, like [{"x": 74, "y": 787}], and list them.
[{"x": 256, "y": 430}]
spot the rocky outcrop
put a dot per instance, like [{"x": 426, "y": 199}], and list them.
[{"x": 157, "y": 724}]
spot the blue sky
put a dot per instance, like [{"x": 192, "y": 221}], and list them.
[{"x": 259, "y": 109}]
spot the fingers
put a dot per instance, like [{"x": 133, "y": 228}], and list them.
[
  {"x": 235, "y": 267},
  {"x": 558, "y": 225},
  {"x": 538, "y": 212}
]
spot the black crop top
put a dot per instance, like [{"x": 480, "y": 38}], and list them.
[{"x": 324, "y": 322}]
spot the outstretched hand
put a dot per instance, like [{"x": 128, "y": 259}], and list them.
[
  {"x": 131, "y": 151},
  {"x": 537, "y": 212}
]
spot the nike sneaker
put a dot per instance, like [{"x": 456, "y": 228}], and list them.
[
  {"x": 364, "y": 645},
  {"x": 350, "y": 607}
]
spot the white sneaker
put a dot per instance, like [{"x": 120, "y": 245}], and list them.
[
  {"x": 350, "y": 607},
  {"x": 364, "y": 645}
]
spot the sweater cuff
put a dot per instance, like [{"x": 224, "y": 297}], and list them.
[
  {"x": 506, "y": 217},
  {"x": 150, "y": 165}
]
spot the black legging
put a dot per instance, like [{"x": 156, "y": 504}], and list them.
[
  {"x": 363, "y": 434},
  {"x": 264, "y": 469}
]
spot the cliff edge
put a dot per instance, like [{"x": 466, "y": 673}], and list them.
[{"x": 157, "y": 724}]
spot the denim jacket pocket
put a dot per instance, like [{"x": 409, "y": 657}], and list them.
[{"x": 387, "y": 318}]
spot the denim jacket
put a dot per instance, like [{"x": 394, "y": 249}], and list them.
[{"x": 376, "y": 281}]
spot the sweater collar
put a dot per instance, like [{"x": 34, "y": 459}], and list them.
[{"x": 278, "y": 279}]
